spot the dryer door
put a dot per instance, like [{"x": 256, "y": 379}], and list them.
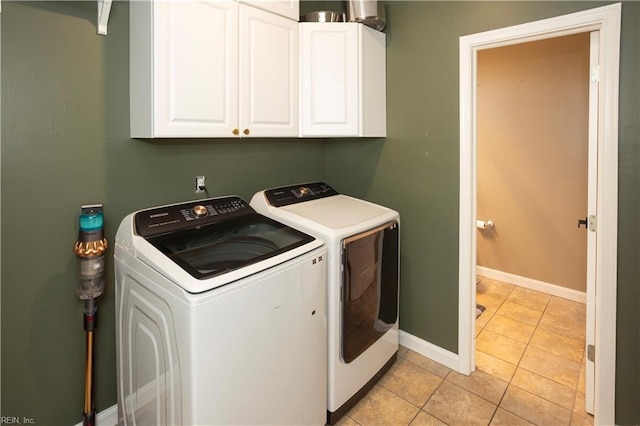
[{"x": 370, "y": 281}]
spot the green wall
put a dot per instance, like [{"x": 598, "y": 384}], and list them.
[
  {"x": 65, "y": 143},
  {"x": 416, "y": 170},
  {"x": 65, "y": 126}
]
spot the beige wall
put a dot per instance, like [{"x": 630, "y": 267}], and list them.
[{"x": 532, "y": 159}]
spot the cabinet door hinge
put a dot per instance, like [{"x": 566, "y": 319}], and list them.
[
  {"x": 591, "y": 353},
  {"x": 595, "y": 74},
  {"x": 592, "y": 223}
]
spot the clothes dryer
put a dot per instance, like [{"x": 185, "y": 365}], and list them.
[
  {"x": 220, "y": 317},
  {"x": 362, "y": 240}
]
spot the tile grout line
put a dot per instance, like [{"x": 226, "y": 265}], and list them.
[
  {"x": 498, "y": 405},
  {"x": 420, "y": 408}
]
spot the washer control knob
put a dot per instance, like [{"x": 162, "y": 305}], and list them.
[{"x": 200, "y": 210}]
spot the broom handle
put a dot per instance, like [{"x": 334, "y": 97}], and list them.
[
  {"x": 88, "y": 385},
  {"x": 90, "y": 315}
]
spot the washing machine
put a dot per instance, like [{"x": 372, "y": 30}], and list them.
[
  {"x": 362, "y": 241},
  {"x": 220, "y": 316}
]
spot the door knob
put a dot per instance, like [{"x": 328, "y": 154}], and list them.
[
  {"x": 246, "y": 132},
  {"x": 236, "y": 132}
]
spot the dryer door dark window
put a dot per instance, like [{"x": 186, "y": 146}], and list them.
[{"x": 369, "y": 288}]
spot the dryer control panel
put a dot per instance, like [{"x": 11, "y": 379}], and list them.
[
  {"x": 284, "y": 196},
  {"x": 176, "y": 217}
]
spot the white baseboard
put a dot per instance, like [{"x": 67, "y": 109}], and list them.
[
  {"x": 552, "y": 289},
  {"x": 431, "y": 351},
  {"x": 108, "y": 417}
]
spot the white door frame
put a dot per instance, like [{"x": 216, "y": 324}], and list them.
[
  {"x": 592, "y": 207},
  {"x": 606, "y": 20}
]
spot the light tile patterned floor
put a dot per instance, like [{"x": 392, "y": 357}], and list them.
[{"x": 530, "y": 370}]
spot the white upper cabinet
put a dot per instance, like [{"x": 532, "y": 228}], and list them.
[
  {"x": 343, "y": 80},
  {"x": 212, "y": 69},
  {"x": 287, "y": 8}
]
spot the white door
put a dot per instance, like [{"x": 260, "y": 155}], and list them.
[
  {"x": 268, "y": 86},
  {"x": 591, "y": 207},
  {"x": 195, "y": 68}
]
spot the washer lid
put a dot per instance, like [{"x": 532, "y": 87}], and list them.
[
  {"x": 338, "y": 211},
  {"x": 227, "y": 246}
]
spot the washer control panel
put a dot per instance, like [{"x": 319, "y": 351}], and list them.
[
  {"x": 284, "y": 196},
  {"x": 176, "y": 217}
]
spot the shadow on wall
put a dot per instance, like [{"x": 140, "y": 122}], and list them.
[
  {"x": 86, "y": 10},
  {"x": 363, "y": 153}
]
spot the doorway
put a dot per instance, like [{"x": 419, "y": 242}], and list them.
[
  {"x": 605, "y": 21},
  {"x": 532, "y": 186},
  {"x": 532, "y": 162}
]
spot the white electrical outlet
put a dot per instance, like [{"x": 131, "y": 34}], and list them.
[{"x": 199, "y": 184}]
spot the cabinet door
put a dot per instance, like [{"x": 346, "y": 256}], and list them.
[
  {"x": 287, "y": 8},
  {"x": 268, "y": 84},
  {"x": 195, "y": 47},
  {"x": 329, "y": 73}
]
